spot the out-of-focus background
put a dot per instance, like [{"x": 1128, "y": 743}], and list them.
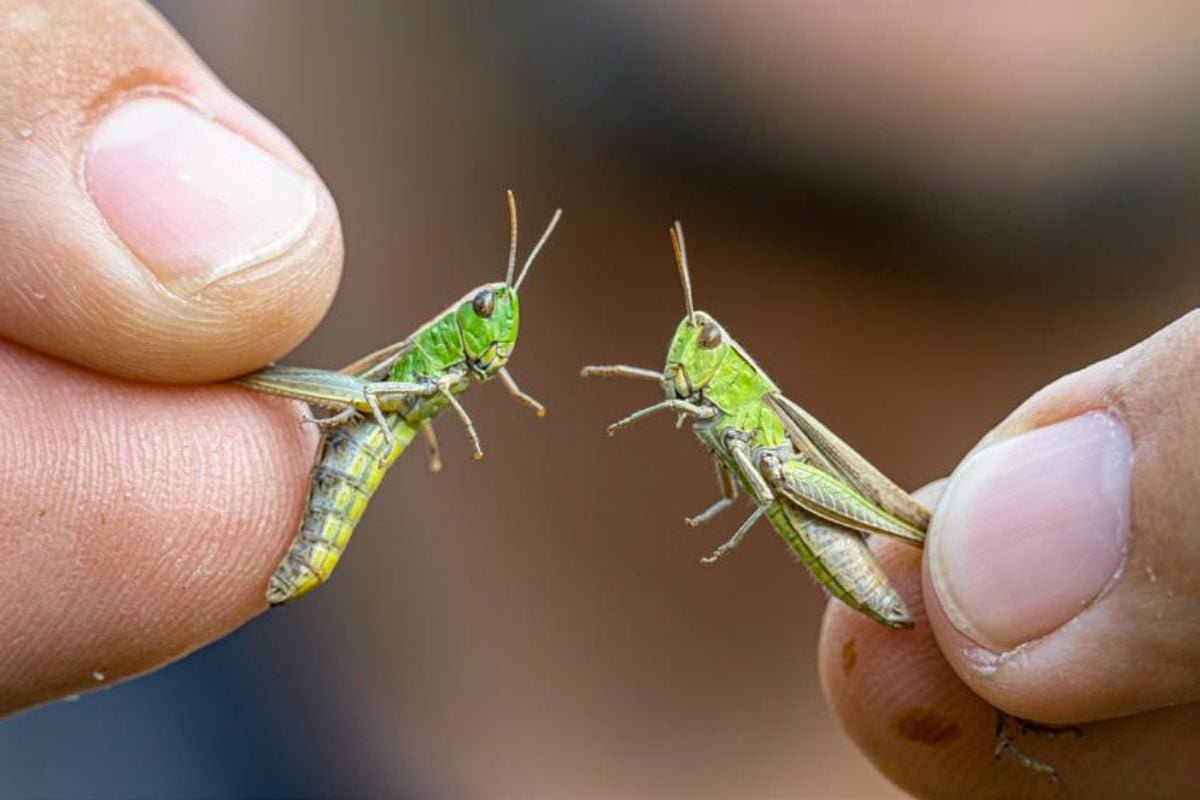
[{"x": 912, "y": 217}]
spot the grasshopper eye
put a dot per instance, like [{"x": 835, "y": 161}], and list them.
[
  {"x": 484, "y": 303},
  {"x": 710, "y": 336}
]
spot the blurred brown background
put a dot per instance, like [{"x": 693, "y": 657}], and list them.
[{"x": 913, "y": 220}]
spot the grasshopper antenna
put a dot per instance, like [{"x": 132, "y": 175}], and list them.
[
  {"x": 537, "y": 247},
  {"x": 681, "y": 262},
  {"x": 512, "y": 246}
]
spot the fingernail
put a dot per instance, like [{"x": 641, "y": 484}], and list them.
[
  {"x": 1032, "y": 529},
  {"x": 192, "y": 200}
]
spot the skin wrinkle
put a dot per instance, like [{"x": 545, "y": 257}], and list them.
[{"x": 136, "y": 565}]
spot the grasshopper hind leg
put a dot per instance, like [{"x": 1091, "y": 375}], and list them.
[{"x": 1006, "y": 747}]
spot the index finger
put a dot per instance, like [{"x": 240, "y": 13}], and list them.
[{"x": 139, "y": 522}]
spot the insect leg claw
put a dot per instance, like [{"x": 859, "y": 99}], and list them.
[{"x": 736, "y": 539}]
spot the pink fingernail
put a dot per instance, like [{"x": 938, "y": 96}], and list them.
[
  {"x": 1032, "y": 529},
  {"x": 192, "y": 200}
]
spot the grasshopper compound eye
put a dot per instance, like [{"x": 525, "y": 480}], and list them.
[
  {"x": 710, "y": 336},
  {"x": 484, "y": 303}
]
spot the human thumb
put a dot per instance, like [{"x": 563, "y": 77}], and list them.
[
  {"x": 152, "y": 225},
  {"x": 1063, "y": 569}
]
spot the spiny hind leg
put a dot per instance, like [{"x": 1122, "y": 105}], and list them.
[
  {"x": 736, "y": 539},
  {"x": 729, "y": 493},
  {"x": 1005, "y": 745}
]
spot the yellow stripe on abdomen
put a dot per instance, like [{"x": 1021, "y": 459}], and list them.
[{"x": 353, "y": 461}]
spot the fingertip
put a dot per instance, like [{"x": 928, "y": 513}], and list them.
[
  {"x": 161, "y": 229},
  {"x": 1060, "y": 570}
]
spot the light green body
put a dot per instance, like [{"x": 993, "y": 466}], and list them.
[
  {"x": 451, "y": 351},
  {"x": 821, "y": 496},
  {"x": 381, "y": 402},
  {"x": 816, "y": 512}
]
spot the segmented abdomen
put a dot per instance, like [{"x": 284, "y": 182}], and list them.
[
  {"x": 353, "y": 461},
  {"x": 841, "y": 560}
]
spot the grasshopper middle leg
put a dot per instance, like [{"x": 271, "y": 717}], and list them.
[{"x": 729, "y": 493}]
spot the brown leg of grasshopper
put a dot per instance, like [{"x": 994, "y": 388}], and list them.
[
  {"x": 389, "y": 389},
  {"x": 431, "y": 446},
  {"x": 466, "y": 421},
  {"x": 347, "y": 414},
  {"x": 741, "y": 455},
  {"x": 729, "y": 493},
  {"x": 511, "y": 384},
  {"x": 682, "y": 406},
  {"x": 1005, "y": 746},
  {"x": 736, "y": 539},
  {"x": 622, "y": 371}
]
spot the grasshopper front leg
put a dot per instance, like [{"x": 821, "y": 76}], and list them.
[
  {"x": 472, "y": 434},
  {"x": 621, "y": 371},
  {"x": 681, "y": 406},
  {"x": 510, "y": 383}
]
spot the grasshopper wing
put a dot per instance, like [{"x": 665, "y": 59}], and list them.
[
  {"x": 375, "y": 366},
  {"x": 318, "y": 387},
  {"x": 826, "y": 496},
  {"x": 836, "y": 457}
]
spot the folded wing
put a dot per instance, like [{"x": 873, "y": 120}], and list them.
[
  {"x": 829, "y": 453},
  {"x": 827, "y": 497}
]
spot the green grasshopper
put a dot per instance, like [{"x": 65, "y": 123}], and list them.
[
  {"x": 381, "y": 401},
  {"x": 821, "y": 496}
]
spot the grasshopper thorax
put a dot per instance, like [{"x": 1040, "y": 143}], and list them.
[{"x": 488, "y": 319}]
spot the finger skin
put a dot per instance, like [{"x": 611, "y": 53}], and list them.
[
  {"x": 139, "y": 522},
  {"x": 924, "y": 729},
  {"x": 69, "y": 286},
  {"x": 1137, "y": 646}
]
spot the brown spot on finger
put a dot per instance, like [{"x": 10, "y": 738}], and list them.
[
  {"x": 925, "y": 726},
  {"x": 848, "y": 657},
  {"x": 897, "y": 672}
]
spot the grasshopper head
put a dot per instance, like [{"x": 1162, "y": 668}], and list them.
[
  {"x": 696, "y": 352},
  {"x": 700, "y": 343},
  {"x": 488, "y": 318}
]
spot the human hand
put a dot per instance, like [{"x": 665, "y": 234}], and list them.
[
  {"x": 154, "y": 229},
  {"x": 1061, "y": 584}
]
